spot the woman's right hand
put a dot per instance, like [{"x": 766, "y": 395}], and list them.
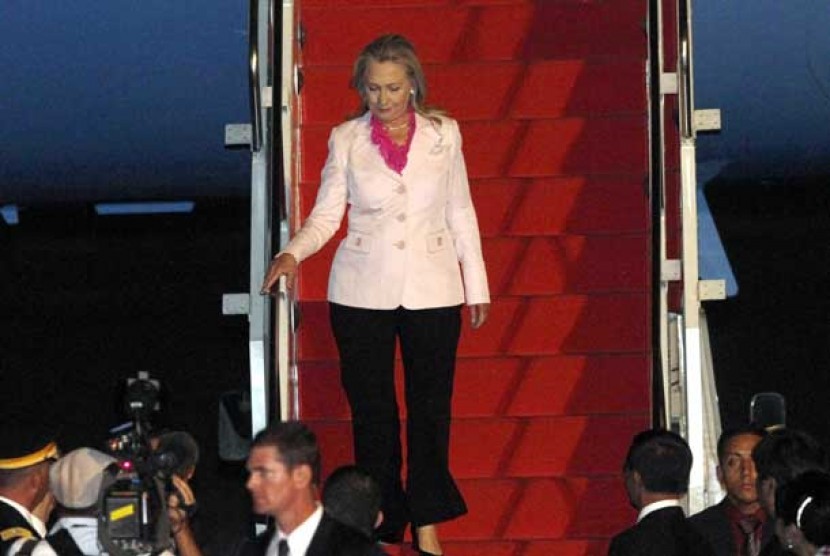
[{"x": 283, "y": 265}]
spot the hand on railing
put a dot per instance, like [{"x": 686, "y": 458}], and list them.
[{"x": 283, "y": 265}]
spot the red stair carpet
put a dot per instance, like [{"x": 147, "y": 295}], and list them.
[{"x": 551, "y": 100}]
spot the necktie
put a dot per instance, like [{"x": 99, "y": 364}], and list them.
[
  {"x": 282, "y": 548},
  {"x": 751, "y": 545}
]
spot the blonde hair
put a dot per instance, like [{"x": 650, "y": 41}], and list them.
[{"x": 397, "y": 49}]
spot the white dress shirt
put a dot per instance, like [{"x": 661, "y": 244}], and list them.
[
  {"x": 654, "y": 506},
  {"x": 300, "y": 538}
]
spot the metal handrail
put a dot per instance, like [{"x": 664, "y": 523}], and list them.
[
  {"x": 656, "y": 193},
  {"x": 684, "y": 69},
  {"x": 284, "y": 70},
  {"x": 254, "y": 97}
]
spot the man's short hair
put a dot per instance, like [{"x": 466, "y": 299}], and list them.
[
  {"x": 352, "y": 497},
  {"x": 731, "y": 433},
  {"x": 785, "y": 453},
  {"x": 296, "y": 445},
  {"x": 663, "y": 460}
]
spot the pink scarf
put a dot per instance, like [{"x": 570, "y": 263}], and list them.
[{"x": 393, "y": 154}]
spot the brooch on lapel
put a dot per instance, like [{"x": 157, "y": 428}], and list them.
[{"x": 439, "y": 145}]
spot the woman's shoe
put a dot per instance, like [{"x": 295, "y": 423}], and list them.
[{"x": 415, "y": 547}]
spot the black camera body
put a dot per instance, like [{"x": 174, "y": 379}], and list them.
[{"x": 133, "y": 500}]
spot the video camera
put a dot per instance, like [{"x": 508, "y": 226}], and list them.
[{"x": 133, "y": 500}]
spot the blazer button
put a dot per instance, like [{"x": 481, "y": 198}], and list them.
[
  {"x": 400, "y": 244},
  {"x": 401, "y": 189},
  {"x": 401, "y": 217}
]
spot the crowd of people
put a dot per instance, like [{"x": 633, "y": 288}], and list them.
[
  {"x": 777, "y": 498},
  {"x": 88, "y": 501},
  {"x": 60, "y": 504}
]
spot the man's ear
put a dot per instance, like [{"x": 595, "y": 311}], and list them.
[
  {"x": 636, "y": 478},
  {"x": 37, "y": 481},
  {"x": 301, "y": 475},
  {"x": 719, "y": 473},
  {"x": 37, "y": 476}
]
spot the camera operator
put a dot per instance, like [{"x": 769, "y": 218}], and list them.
[
  {"x": 78, "y": 481},
  {"x": 25, "y": 501},
  {"x": 177, "y": 453}
]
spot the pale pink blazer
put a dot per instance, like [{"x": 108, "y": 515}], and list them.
[{"x": 412, "y": 239}]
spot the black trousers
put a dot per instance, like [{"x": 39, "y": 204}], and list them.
[{"x": 366, "y": 341}]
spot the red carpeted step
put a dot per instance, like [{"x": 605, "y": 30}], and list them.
[
  {"x": 558, "y": 88},
  {"x": 607, "y": 323},
  {"x": 546, "y": 89},
  {"x": 581, "y": 385},
  {"x": 542, "y": 447},
  {"x": 354, "y": 26},
  {"x": 523, "y": 326},
  {"x": 580, "y": 205},
  {"x": 568, "y": 30},
  {"x": 320, "y": 106},
  {"x": 539, "y": 508},
  {"x": 489, "y": 146},
  {"x": 562, "y": 324},
  {"x": 578, "y": 264},
  {"x": 508, "y": 387},
  {"x": 496, "y": 201},
  {"x": 481, "y": 91},
  {"x": 551, "y": 386},
  {"x": 580, "y": 146}
]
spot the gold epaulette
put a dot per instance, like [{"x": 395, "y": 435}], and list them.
[{"x": 15, "y": 533}]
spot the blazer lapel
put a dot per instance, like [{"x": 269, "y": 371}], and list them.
[
  {"x": 427, "y": 142},
  {"x": 369, "y": 152}
]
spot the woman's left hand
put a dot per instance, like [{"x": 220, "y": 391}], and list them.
[{"x": 478, "y": 314}]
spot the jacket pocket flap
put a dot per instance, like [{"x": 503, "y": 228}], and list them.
[
  {"x": 436, "y": 242},
  {"x": 357, "y": 241}
]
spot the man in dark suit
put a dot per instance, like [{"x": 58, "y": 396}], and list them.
[
  {"x": 284, "y": 475},
  {"x": 656, "y": 473},
  {"x": 737, "y": 525},
  {"x": 353, "y": 497}
]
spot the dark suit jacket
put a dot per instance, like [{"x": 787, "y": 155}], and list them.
[
  {"x": 331, "y": 538},
  {"x": 713, "y": 524},
  {"x": 664, "y": 532},
  {"x": 775, "y": 548}
]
